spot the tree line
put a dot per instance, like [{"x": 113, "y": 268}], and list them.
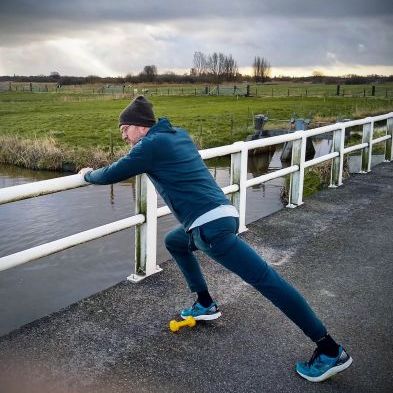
[{"x": 212, "y": 68}]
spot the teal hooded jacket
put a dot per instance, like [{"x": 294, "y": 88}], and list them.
[{"x": 172, "y": 162}]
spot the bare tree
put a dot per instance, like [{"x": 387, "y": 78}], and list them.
[
  {"x": 200, "y": 64},
  {"x": 221, "y": 67},
  {"x": 212, "y": 65},
  {"x": 230, "y": 68},
  {"x": 215, "y": 67},
  {"x": 261, "y": 69},
  {"x": 149, "y": 73}
]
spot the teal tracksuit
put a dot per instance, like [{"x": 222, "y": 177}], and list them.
[{"x": 171, "y": 160}]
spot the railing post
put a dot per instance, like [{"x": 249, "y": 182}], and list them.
[
  {"x": 146, "y": 233},
  {"x": 297, "y": 178},
  {"x": 239, "y": 163},
  {"x": 368, "y": 129},
  {"x": 336, "y": 174},
  {"x": 389, "y": 142}
]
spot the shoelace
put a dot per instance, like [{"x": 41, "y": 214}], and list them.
[
  {"x": 194, "y": 305},
  {"x": 314, "y": 356}
]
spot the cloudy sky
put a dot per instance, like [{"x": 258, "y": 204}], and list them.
[{"x": 111, "y": 38}]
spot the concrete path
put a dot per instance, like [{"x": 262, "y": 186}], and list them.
[{"x": 337, "y": 249}]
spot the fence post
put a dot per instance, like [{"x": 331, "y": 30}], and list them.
[
  {"x": 297, "y": 178},
  {"x": 146, "y": 233},
  {"x": 389, "y": 142},
  {"x": 336, "y": 174},
  {"x": 239, "y": 176},
  {"x": 368, "y": 129}
]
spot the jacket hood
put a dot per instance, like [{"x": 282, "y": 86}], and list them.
[{"x": 162, "y": 125}]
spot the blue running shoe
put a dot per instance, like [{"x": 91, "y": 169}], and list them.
[
  {"x": 321, "y": 367},
  {"x": 200, "y": 313}
]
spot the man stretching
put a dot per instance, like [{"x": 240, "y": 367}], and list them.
[{"x": 209, "y": 223}]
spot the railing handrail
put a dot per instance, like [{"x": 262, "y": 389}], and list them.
[{"x": 147, "y": 213}]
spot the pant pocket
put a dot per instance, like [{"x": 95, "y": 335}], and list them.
[{"x": 211, "y": 233}]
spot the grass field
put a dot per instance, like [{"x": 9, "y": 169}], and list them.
[{"x": 87, "y": 120}]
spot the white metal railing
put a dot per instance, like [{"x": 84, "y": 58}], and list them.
[{"x": 147, "y": 213}]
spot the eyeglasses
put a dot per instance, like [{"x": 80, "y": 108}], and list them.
[{"x": 124, "y": 127}]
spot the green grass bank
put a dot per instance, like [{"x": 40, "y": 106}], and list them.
[{"x": 43, "y": 130}]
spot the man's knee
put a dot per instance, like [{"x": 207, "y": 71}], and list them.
[
  {"x": 175, "y": 240},
  {"x": 169, "y": 240}
]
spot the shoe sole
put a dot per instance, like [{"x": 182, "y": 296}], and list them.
[
  {"x": 206, "y": 317},
  {"x": 329, "y": 373}
]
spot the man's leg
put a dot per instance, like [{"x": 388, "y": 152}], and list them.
[
  {"x": 180, "y": 246},
  {"x": 218, "y": 240}
]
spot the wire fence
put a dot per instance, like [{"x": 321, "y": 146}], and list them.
[{"x": 265, "y": 90}]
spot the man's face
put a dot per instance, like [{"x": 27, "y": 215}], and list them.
[{"x": 130, "y": 134}]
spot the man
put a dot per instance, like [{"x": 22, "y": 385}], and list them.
[{"x": 209, "y": 223}]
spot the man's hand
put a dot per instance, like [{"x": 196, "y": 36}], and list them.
[{"x": 83, "y": 171}]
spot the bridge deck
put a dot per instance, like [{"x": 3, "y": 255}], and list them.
[{"x": 337, "y": 249}]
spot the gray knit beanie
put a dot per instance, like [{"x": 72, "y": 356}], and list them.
[{"x": 138, "y": 113}]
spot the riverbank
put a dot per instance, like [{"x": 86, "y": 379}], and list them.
[{"x": 48, "y": 154}]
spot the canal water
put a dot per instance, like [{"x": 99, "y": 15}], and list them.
[{"x": 41, "y": 287}]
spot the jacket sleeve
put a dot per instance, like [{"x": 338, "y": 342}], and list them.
[{"x": 138, "y": 160}]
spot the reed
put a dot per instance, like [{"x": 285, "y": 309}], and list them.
[{"x": 46, "y": 153}]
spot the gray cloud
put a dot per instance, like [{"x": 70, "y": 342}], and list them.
[
  {"x": 52, "y": 15},
  {"x": 86, "y": 10},
  {"x": 124, "y": 35}
]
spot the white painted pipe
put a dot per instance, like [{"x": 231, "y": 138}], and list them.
[
  {"x": 381, "y": 139},
  {"x": 230, "y": 189},
  {"x": 163, "y": 211},
  {"x": 67, "y": 242},
  {"x": 272, "y": 175},
  {"x": 23, "y": 191},
  {"x": 220, "y": 151},
  {"x": 274, "y": 140},
  {"x": 382, "y": 117},
  {"x": 321, "y": 159},
  {"x": 350, "y": 149}
]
